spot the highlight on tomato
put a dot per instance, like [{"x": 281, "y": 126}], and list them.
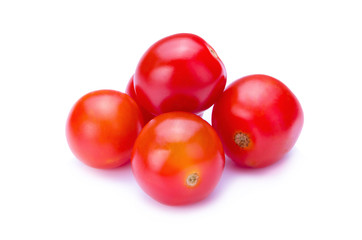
[
  {"x": 258, "y": 120},
  {"x": 178, "y": 158},
  {"x": 147, "y": 116},
  {"x": 102, "y": 127},
  {"x": 181, "y": 72}
]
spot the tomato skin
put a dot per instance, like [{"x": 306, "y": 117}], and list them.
[
  {"x": 130, "y": 91},
  {"x": 179, "y": 73},
  {"x": 102, "y": 127},
  {"x": 178, "y": 158},
  {"x": 146, "y": 115},
  {"x": 258, "y": 120}
]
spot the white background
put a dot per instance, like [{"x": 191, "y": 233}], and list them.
[{"x": 53, "y": 52}]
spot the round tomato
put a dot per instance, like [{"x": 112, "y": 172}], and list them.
[
  {"x": 146, "y": 115},
  {"x": 258, "y": 120},
  {"x": 178, "y": 158},
  {"x": 179, "y": 73},
  {"x": 102, "y": 128},
  {"x": 130, "y": 91}
]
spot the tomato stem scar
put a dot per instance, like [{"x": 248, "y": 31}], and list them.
[
  {"x": 192, "y": 179},
  {"x": 212, "y": 51},
  {"x": 242, "y": 139}
]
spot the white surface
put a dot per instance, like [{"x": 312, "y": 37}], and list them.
[{"x": 53, "y": 52}]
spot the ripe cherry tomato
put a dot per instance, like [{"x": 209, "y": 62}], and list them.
[
  {"x": 178, "y": 158},
  {"x": 179, "y": 73},
  {"x": 130, "y": 91},
  {"x": 102, "y": 128},
  {"x": 258, "y": 120},
  {"x": 146, "y": 115}
]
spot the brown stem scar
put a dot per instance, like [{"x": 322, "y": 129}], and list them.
[
  {"x": 192, "y": 179},
  {"x": 242, "y": 139},
  {"x": 212, "y": 51}
]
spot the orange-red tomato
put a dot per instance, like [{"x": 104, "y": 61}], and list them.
[
  {"x": 258, "y": 120},
  {"x": 178, "y": 158},
  {"x": 102, "y": 128}
]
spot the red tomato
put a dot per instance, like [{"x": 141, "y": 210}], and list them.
[
  {"x": 130, "y": 91},
  {"x": 258, "y": 120},
  {"x": 179, "y": 73},
  {"x": 178, "y": 158},
  {"x": 146, "y": 115},
  {"x": 102, "y": 128}
]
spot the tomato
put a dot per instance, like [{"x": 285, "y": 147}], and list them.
[
  {"x": 146, "y": 115},
  {"x": 179, "y": 73},
  {"x": 102, "y": 128},
  {"x": 178, "y": 158},
  {"x": 130, "y": 91},
  {"x": 258, "y": 120}
]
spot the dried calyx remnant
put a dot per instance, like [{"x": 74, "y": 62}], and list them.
[
  {"x": 242, "y": 139},
  {"x": 212, "y": 51},
  {"x": 192, "y": 179}
]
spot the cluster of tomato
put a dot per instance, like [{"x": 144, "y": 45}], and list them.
[{"x": 176, "y": 156}]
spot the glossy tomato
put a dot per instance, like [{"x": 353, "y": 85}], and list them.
[
  {"x": 102, "y": 128},
  {"x": 130, "y": 91},
  {"x": 178, "y": 158},
  {"x": 179, "y": 73},
  {"x": 147, "y": 116},
  {"x": 258, "y": 120}
]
